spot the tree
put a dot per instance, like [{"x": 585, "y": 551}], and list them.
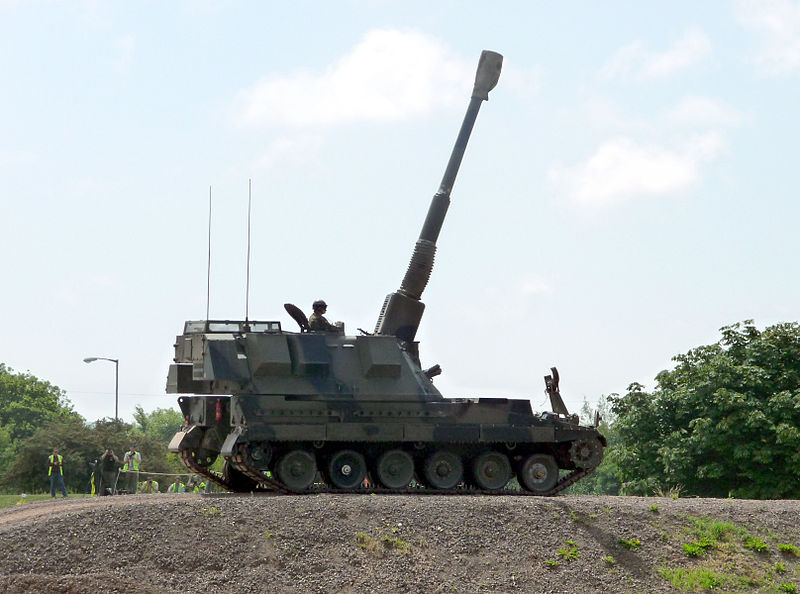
[
  {"x": 724, "y": 422},
  {"x": 160, "y": 424},
  {"x": 28, "y": 403},
  {"x": 6, "y": 449}
]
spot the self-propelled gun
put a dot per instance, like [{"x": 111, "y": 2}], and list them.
[{"x": 309, "y": 411}]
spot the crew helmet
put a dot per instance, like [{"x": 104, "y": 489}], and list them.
[{"x": 318, "y": 304}]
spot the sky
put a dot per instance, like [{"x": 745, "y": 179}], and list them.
[{"x": 630, "y": 187}]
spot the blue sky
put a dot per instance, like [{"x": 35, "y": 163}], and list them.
[{"x": 629, "y": 188}]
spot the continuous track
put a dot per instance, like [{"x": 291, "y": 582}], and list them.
[{"x": 267, "y": 484}]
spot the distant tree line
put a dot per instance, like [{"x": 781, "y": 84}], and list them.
[{"x": 36, "y": 416}]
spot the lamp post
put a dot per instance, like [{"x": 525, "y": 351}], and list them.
[{"x": 116, "y": 382}]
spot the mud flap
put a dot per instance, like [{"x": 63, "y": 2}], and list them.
[
  {"x": 185, "y": 439},
  {"x": 230, "y": 442}
]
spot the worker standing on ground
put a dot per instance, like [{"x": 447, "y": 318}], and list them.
[
  {"x": 95, "y": 478},
  {"x": 109, "y": 465},
  {"x": 55, "y": 471},
  {"x": 131, "y": 463}
]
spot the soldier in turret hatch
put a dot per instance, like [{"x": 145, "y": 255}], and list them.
[{"x": 317, "y": 321}]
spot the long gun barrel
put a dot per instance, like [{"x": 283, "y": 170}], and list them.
[{"x": 402, "y": 310}]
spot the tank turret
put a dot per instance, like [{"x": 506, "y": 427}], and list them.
[
  {"x": 402, "y": 310},
  {"x": 317, "y": 410}
]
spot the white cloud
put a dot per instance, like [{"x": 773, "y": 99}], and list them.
[
  {"x": 622, "y": 169},
  {"x": 635, "y": 61},
  {"x": 778, "y": 22},
  {"x": 695, "y": 110},
  {"x": 624, "y": 62},
  {"x": 530, "y": 287},
  {"x": 692, "y": 48},
  {"x": 389, "y": 75}
]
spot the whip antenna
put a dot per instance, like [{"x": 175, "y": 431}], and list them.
[
  {"x": 208, "y": 275},
  {"x": 247, "y": 292}
]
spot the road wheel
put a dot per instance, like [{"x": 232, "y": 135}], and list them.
[
  {"x": 395, "y": 469},
  {"x": 296, "y": 470},
  {"x": 443, "y": 470},
  {"x": 259, "y": 455},
  {"x": 491, "y": 471},
  {"x": 539, "y": 473},
  {"x": 347, "y": 469}
]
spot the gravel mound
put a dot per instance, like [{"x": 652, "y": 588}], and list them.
[{"x": 377, "y": 543}]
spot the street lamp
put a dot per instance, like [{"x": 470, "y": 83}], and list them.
[{"x": 116, "y": 383}]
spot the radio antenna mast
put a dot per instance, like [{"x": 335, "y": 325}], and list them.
[
  {"x": 208, "y": 285},
  {"x": 247, "y": 295}
]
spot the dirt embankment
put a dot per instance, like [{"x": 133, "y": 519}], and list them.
[{"x": 344, "y": 544}]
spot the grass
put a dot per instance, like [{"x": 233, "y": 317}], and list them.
[
  {"x": 726, "y": 560},
  {"x": 569, "y": 554},
  {"x": 630, "y": 544},
  {"x": 714, "y": 530},
  {"x": 789, "y": 549},
  {"x": 712, "y": 534},
  {"x": 575, "y": 517},
  {"x": 756, "y": 543},
  {"x": 609, "y": 561},
  {"x": 697, "y": 549},
  {"x": 692, "y": 580},
  {"x": 393, "y": 543},
  {"x": 379, "y": 546},
  {"x": 210, "y": 511},
  {"x": 12, "y": 500},
  {"x": 672, "y": 492}
]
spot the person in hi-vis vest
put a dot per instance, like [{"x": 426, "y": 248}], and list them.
[
  {"x": 55, "y": 470},
  {"x": 131, "y": 463}
]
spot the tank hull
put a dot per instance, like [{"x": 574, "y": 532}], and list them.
[{"x": 320, "y": 431}]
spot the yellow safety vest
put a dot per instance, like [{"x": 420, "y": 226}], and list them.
[
  {"x": 52, "y": 461},
  {"x": 132, "y": 461},
  {"x": 151, "y": 488}
]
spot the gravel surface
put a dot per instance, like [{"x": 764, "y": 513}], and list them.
[{"x": 368, "y": 543}]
